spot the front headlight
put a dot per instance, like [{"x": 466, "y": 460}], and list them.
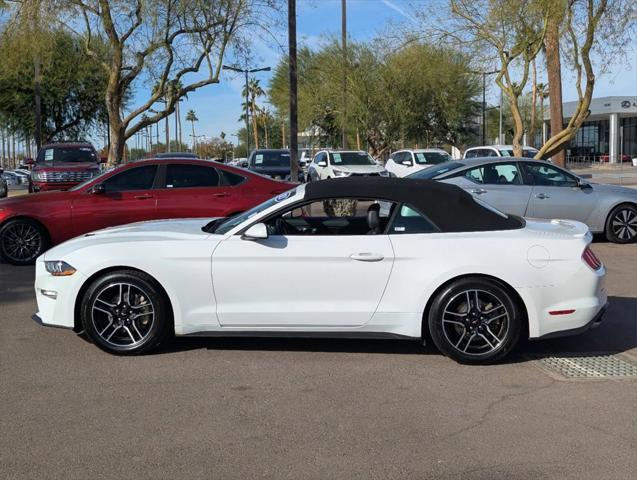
[
  {"x": 35, "y": 176},
  {"x": 341, "y": 173},
  {"x": 58, "y": 268},
  {"x": 384, "y": 173}
]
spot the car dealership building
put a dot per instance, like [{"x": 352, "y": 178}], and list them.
[{"x": 610, "y": 129}]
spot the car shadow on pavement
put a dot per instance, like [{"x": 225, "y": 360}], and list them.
[{"x": 617, "y": 333}]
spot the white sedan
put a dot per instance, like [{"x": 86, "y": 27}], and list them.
[
  {"x": 356, "y": 257},
  {"x": 343, "y": 163},
  {"x": 406, "y": 162}
]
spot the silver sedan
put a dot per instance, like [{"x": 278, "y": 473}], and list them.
[{"x": 535, "y": 188}]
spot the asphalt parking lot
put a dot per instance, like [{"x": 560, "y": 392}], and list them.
[{"x": 268, "y": 408}]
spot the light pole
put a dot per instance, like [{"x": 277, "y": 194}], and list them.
[
  {"x": 247, "y": 71},
  {"x": 484, "y": 101}
]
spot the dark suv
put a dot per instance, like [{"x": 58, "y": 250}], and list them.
[
  {"x": 60, "y": 166},
  {"x": 274, "y": 163}
]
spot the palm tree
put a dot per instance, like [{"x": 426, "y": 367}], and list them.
[
  {"x": 192, "y": 118},
  {"x": 254, "y": 91}
]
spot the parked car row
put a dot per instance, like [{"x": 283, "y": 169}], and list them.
[
  {"x": 138, "y": 191},
  {"x": 179, "y": 188},
  {"x": 539, "y": 189}
]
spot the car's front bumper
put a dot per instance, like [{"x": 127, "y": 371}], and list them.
[
  {"x": 58, "y": 311},
  {"x": 37, "y": 319}
]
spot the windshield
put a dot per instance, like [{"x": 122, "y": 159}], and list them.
[
  {"x": 270, "y": 159},
  {"x": 526, "y": 153},
  {"x": 228, "y": 224},
  {"x": 67, "y": 155},
  {"x": 433, "y": 172},
  {"x": 351, "y": 158},
  {"x": 431, "y": 158}
]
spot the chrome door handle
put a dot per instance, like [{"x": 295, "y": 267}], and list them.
[
  {"x": 478, "y": 191},
  {"x": 366, "y": 257},
  {"x": 542, "y": 196},
  {"x": 224, "y": 194},
  {"x": 143, "y": 197}
]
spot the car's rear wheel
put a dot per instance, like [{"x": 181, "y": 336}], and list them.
[
  {"x": 22, "y": 241},
  {"x": 126, "y": 313},
  {"x": 475, "y": 321},
  {"x": 621, "y": 226}
]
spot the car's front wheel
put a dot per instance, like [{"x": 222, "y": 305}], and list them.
[
  {"x": 126, "y": 312},
  {"x": 22, "y": 240},
  {"x": 475, "y": 321},
  {"x": 621, "y": 226}
]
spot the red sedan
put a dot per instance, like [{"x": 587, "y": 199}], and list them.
[{"x": 145, "y": 190}]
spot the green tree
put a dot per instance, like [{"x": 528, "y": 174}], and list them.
[
  {"x": 72, "y": 86},
  {"x": 166, "y": 41}
]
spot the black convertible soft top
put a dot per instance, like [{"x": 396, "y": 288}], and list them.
[{"x": 449, "y": 207}]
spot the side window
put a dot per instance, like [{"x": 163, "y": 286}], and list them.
[
  {"x": 548, "y": 176},
  {"x": 495, "y": 174},
  {"x": 408, "y": 220},
  {"x": 231, "y": 178},
  {"x": 489, "y": 152},
  {"x": 186, "y": 175},
  {"x": 474, "y": 175},
  {"x": 335, "y": 216},
  {"x": 319, "y": 157},
  {"x": 140, "y": 178},
  {"x": 471, "y": 154}
]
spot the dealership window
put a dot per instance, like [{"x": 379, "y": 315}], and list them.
[{"x": 628, "y": 127}]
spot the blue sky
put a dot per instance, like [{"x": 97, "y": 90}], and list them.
[{"x": 218, "y": 107}]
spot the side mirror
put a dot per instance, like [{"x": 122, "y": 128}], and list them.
[
  {"x": 583, "y": 184},
  {"x": 407, "y": 162},
  {"x": 29, "y": 161},
  {"x": 99, "y": 189},
  {"x": 322, "y": 163},
  {"x": 103, "y": 159},
  {"x": 258, "y": 231}
]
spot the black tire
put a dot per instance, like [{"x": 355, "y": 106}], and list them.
[
  {"x": 133, "y": 330},
  {"x": 484, "y": 334},
  {"x": 22, "y": 240},
  {"x": 621, "y": 225}
]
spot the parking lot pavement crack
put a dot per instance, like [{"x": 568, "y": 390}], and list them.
[{"x": 490, "y": 408}]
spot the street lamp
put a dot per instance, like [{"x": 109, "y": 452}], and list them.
[
  {"x": 246, "y": 71},
  {"x": 484, "y": 100}
]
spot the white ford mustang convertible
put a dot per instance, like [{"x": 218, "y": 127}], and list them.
[{"x": 353, "y": 257}]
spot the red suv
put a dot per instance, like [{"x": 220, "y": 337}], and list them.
[
  {"x": 60, "y": 166},
  {"x": 145, "y": 190}
]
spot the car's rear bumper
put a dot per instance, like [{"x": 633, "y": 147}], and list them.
[{"x": 593, "y": 323}]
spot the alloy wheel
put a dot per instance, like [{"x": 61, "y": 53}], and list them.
[
  {"x": 123, "y": 314},
  {"x": 475, "y": 322},
  {"x": 624, "y": 224},
  {"x": 21, "y": 242}
]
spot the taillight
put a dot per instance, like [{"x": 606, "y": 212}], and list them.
[{"x": 591, "y": 259}]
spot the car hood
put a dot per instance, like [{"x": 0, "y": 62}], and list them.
[
  {"x": 156, "y": 230},
  {"x": 40, "y": 197},
  {"x": 616, "y": 189},
  {"x": 359, "y": 168}
]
